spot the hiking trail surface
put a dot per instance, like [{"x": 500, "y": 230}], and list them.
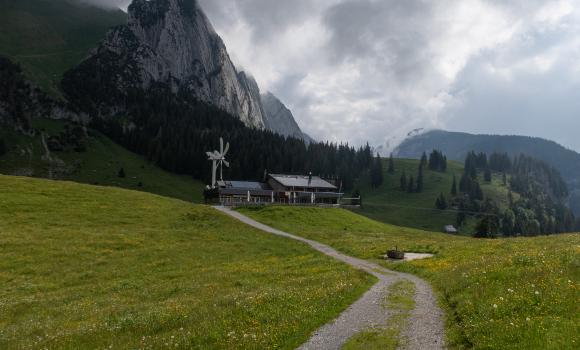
[{"x": 425, "y": 330}]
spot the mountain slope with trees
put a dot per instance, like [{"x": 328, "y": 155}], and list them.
[
  {"x": 487, "y": 196},
  {"x": 457, "y": 145}
]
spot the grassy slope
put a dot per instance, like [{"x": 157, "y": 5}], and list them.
[
  {"x": 391, "y": 205},
  {"x": 99, "y": 165},
  {"x": 84, "y": 267},
  {"x": 533, "y": 282},
  {"x": 48, "y": 37}
]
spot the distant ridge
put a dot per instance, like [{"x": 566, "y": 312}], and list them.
[
  {"x": 456, "y": 145},
  {"x": 279, "y": 119}
]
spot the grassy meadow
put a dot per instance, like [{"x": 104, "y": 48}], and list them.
[
  {"x": 86, "y": 267},
  {"x": 99, "y": 165},
  {"x": 519, "y": 293},
  {"x": 389, "y": 204}
]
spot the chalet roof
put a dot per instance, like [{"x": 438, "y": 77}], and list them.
[
  {"x": 302, "y": 181},
  {"x": 244, "y": 185}
]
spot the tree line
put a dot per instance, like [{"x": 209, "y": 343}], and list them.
[
  {"x": 436, "y": 161},
  {"x": 175, "y": 132}
]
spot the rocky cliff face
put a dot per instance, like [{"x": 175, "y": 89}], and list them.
[
  {"x": 170, "y": 43},
  {"x": 279, "y": 119}
]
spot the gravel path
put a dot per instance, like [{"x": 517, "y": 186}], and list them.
[{"x": 426, "y": 327}]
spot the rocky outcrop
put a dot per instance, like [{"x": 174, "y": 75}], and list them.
[
  {"x": 169, "y": 43},
  {"x": 279, "y": 119}
]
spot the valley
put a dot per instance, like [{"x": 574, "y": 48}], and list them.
[{"x": 113, "y": 123}]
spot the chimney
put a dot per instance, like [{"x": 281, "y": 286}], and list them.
[{"x": 309, "y": 178}]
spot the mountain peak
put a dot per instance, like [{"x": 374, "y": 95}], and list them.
[
  {"x": 168, "y": 42},
  {"x": 279, "y": 119}
]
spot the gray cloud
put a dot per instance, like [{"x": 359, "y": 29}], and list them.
[{"x": 359, "y": 70}]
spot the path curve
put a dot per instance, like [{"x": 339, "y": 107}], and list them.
[{"x": 426, "y": 326}]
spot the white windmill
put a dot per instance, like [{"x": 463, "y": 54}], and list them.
[{"x": 218, "y": 158}]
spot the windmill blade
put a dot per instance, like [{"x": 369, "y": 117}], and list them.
[
  {"x": 226, "y": 150},
  {"x": 221, "y": 145},
  {"x": 226, "y": 163},
  {"x": 210, "y": 154},
  {"x": 217, "y": 155}
]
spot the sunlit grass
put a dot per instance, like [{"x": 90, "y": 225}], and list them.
[
  {"x": 85, "y": 267},
  {"x": 517, "y": 293}
]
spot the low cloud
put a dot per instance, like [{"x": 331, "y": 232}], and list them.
[{"x": 358, "y": 70}]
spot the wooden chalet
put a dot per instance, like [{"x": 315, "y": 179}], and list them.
[{"x": 277, "y": 189}]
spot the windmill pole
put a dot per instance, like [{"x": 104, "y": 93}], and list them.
[{"x": 213, "y": 173}]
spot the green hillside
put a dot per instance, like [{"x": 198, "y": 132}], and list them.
[
  {"x": 99, "y": 164},
  {"x": 456, "y": 145},
  {"x": 390, "y": 204},
  {"x": 85, "y": 267},
  {"x": 519, "y": 293},
  {"x": 48, "y": 37}
]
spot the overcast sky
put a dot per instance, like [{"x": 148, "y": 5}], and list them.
[{"x": 358, "y": 70}]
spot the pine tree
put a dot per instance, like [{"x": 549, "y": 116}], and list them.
[
  {"x": 437, "y": 161},
  {"x": 377, "y": 172},
  {"x": 488, "y": 227},
  {"x": 391, "y": 169},
  {"x": 504, "y": 179},
  {"x": 441, "y": 202},
  {"x": 121, "y": 173},
  {"x": 420, "y": 179},
  {"x": 404, "y": 182},
  {"x": 454, "y": 187}
]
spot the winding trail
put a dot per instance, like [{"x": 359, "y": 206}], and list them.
[{"x": 426, "y": 327}]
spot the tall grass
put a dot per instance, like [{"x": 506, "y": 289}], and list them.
[{"x": 85, "y": 267}]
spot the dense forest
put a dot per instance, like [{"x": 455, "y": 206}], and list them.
[
  {"x": 538, "y": 209},
  {"x": 174, "y": 132}
]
